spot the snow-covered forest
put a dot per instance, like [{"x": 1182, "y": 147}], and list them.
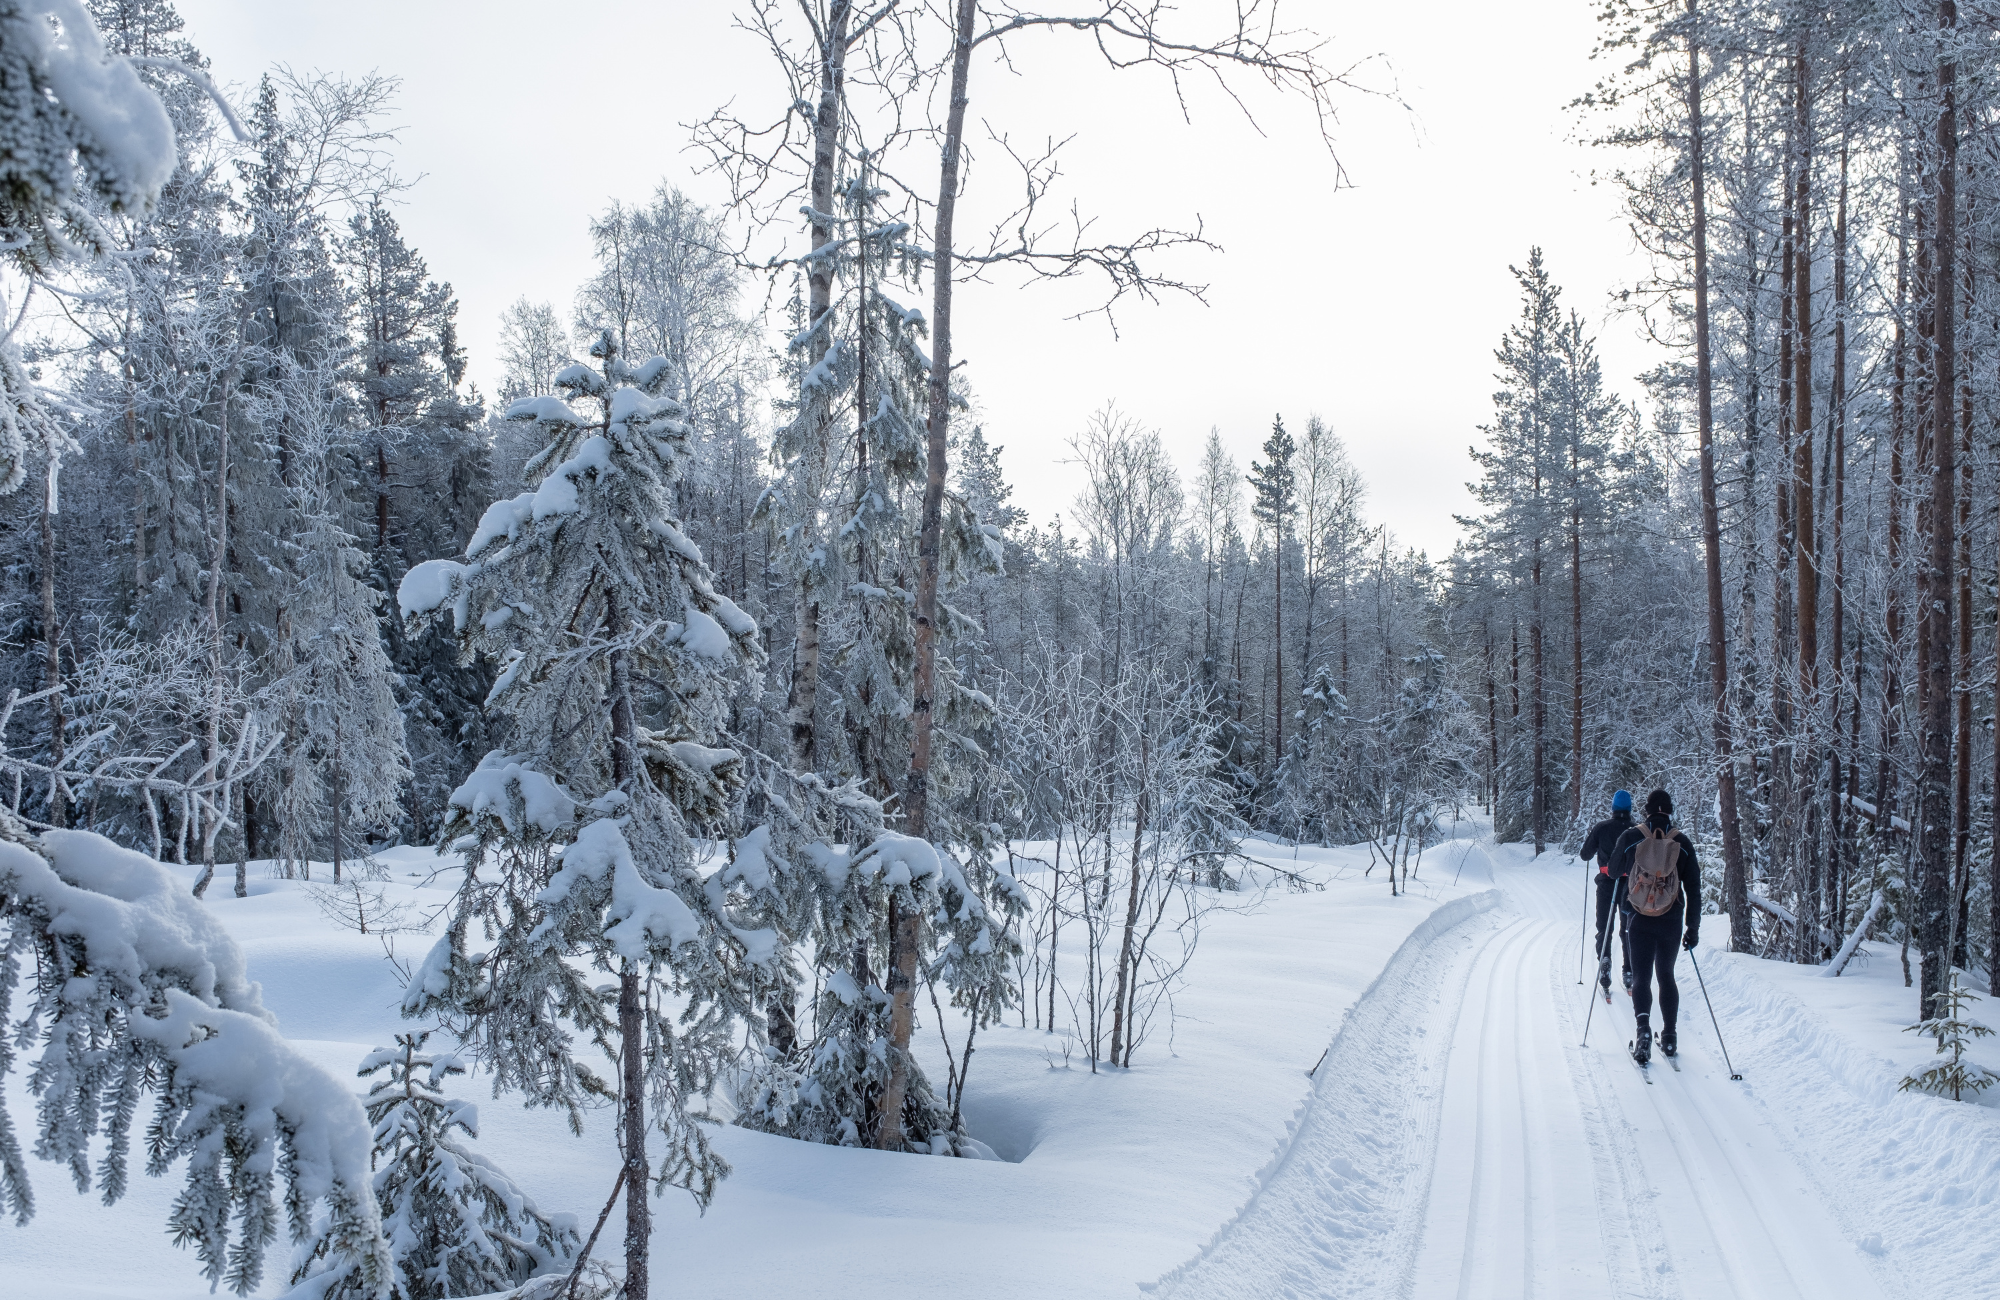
[{"x": 692, "y": 742}]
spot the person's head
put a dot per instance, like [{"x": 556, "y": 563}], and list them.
[
  {"x": 1659, "y": 804},
  {"x": 1621, "y": 803}
]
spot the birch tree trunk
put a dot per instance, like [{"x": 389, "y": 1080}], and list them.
[
  {"x": 212, "y": 732},
  {"x": 905, "y": 931},
  {"x": 1126, "y": 974},
  {"x": 52, "y": 680},
  {"x": 803, "y": 699}
]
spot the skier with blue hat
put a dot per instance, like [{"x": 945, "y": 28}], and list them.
[{"x": 1599, "y": 844}]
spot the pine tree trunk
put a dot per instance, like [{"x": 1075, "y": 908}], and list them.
[
  {"x": 1962, "y": 698},
  {"x": 1892, "y": 590},
  {"x": 1993, "y": 932},
  {"x": 1735, "y": 883},
  {"x": 1575, "y": 637},
  {"x": 382, "y": 504},
  {"x": 1934, "y": 815},
  {"x": 1744, "y": 692},
  {"x": 1841, "y": 812},
  {"x": 1539, "y": 688},
  {"x": 905, "y": 931},
  {"x": 1492, "y": 732},
  {"x": 1805, "y": 552},
  {"x": 1278, "y": 648},
  {"x": 1782, "y": 844}
]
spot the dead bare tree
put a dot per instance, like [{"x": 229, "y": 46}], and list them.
[{"x": 901, "y": 73}]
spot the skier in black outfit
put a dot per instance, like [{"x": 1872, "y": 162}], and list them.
[
  {"x": 1654, "y": 940},
  {"x": 1603, "y": 838}
]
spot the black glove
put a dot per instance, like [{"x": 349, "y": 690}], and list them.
[{"x": 1693, "y": 938}]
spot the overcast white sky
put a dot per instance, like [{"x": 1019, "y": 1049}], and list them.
[{"x": 1377, "y": 306}]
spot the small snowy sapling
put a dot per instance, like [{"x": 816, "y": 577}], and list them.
[
  {"x": 456, "y": 1224},
  {"x": 1953, "y": 1034}
]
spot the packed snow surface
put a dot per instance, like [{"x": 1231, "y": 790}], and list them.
[{"x": 1456, "y": 1139}]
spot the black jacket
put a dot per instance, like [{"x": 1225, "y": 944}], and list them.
[
  {"x": 1603, "y": 838},
  {"x": 1621, "y": 867}
]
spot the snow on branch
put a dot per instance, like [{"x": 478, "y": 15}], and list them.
[
  {"x": 136, "y": 989},
  {"x": 95, "y": 109}
]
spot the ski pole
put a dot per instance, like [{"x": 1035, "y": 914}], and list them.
[
  {"x": 1603, "y": 953},
  {"x": 1711, "y": 1016}
]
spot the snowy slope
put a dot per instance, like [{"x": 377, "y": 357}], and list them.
[
  {"x": 1111, "y": 1178},
  {"x": 1456, "y": 1140}
]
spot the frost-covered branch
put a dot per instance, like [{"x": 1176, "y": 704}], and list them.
[{"x": 136, "y": 991}]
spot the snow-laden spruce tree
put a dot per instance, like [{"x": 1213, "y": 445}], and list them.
[
  {"x": 345, "y": 763},
  {"x": 1308, "y": 785},
  {"x": 423, "y": 471},
  {"x": 615, "y": 654},
  {"x": 134, "y": 989},
  {"x": 852, "y": 548},
  {"x": 457, "y": 1224}
]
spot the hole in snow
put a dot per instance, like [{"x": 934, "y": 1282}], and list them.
[{"x": 1008, "y": 1124}]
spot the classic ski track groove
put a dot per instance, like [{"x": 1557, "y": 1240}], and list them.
[{"x": 1510, "y": 1160}]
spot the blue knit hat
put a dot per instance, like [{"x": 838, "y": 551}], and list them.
[{"x": 1622, "y": 801}]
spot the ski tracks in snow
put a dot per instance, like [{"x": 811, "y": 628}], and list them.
[
  {"x": 1459, "y": 1142},
  {"x": 1338, "y": 1209}
]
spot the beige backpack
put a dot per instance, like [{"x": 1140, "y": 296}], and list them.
[{"x": 1654, "y": 884}]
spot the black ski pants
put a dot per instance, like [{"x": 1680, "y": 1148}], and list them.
[
  {"x": 1606, "y": 886},
  {"x": 1655, "y": 941}
]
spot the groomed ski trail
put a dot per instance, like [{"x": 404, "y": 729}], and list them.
[{"x": 1459, "y": 1142}]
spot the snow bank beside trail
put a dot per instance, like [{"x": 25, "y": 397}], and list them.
[
  {"x": 1108, "y": 1180},
  {"x": 1823, "y": 1058},
  {"x": 1351, "y": 1081}
]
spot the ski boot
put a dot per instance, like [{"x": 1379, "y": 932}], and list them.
[
  {"x": 1642, "y": 1048},
  {"x": 1669, "y": 1045},
  {"x": 1604, "y": 973},
  {"x": 1628, "y": 981}
]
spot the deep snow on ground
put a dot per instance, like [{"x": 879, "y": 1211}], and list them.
[{"x": 1456, "y": 1140}]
